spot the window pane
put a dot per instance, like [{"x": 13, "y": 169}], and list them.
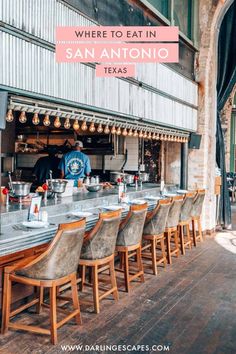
[
  {"x": 162, "y": 6},
  {"x": 183, "y": 16}
]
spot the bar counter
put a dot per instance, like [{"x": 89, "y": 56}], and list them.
[{"x": 13, "y": 241}]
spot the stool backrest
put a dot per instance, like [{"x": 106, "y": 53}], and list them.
[
  {"x": 61, "y": 258},
  {"x": 155, "y": 222},
  {"x": 174, "y": 212},
  {"x": 198, "y": 203},
  {"x": 187, "y": 206},
  {"x": 131, "y": 229},
  {"x": 100, "y": 242}
]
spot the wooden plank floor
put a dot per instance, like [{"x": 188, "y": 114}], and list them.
[{"x": 190, "y": 306}]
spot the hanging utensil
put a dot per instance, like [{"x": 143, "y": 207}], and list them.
[{"x": 10, "y": 182}]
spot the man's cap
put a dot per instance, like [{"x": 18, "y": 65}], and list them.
[{"x": 79, "y": 143}]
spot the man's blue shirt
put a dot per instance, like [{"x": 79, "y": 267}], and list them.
[{"x": 75, "y": 165}]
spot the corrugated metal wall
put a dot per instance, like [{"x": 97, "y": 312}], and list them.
[{"x": 31, "y": 67}]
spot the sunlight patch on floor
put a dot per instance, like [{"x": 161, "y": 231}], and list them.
[{"x": 227, "y": 240}]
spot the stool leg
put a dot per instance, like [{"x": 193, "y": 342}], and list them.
[
  {"x": 154, "y": 256},
  {"x": 126, "y": 271},
  {"x": 83, "y": 271},
  {"x": 95, "y": 288},
  {"x": 162, "y": 243},
  {"x": 176, "y": 238},
  {"x": 113, "y": 280},
  {"x": 200, "y": 229},
  {"x": 168, "y": 235},
  {"x": 188, "y": 236},
  {"x": 140, "y": 263},
  {"x": 40, "y": 295},
  {"x": 75, "y": 298},
  {"x": 6, "y": 306},
  {"x": 181, "y": 236},
  {"x": 121, "y": 260},
  {"x": 53, "y": 314},
  {"x": 194, "y": 233}
]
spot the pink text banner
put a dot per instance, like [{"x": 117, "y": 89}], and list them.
[
  {"x": 118, "y": 33},
  {"x": 117, "y": 53}
]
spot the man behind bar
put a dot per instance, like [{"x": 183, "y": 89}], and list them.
[{"x": 75, "y": 164}]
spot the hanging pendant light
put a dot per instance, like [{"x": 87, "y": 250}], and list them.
[
  {"x": 84, "y": 126},
  {"x": 149, "y": 136},
  {"x": 118, "y": 132},
  {"x": 140, "y": 134},
  {"x": 57, "y": 122},
  {"x": 130, "y": 133},
  {"x": 107, "y": 129},
  {"x": 76, "y": 125},
  {"x": 9, "y": 116},
  {"x": 145, "y": 134},
  {"x": 154, "y": 136},
  {"x": 124, "y": 132},
  {"x": 67, "y": 124},
  {"x": 100, "y": 128},
  {"x": 135, "y": 133},
  {"x": 23, "y": 118},
  {"x": 113, "y": 130},
  {"x": 36, "y": 119},
  {"x": 92, "y": 127},
  {"x": 46, "y": 120}
]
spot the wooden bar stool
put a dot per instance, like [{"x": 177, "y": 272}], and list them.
[
  {"x": 153, "y": 234},
  {"x": 54, "y": 267},
  {"x": 98, "y": 254},
  {"x": 128, "y": 243},
  {"x": 171, "y": 231},
  {"x": 196, "y": 216},
  {"x": 185, "y": 220}
]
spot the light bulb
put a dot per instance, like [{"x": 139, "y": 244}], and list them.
[
  {"x": 22, "y": 118},
  {"x": 149, "y": 135},
  {"x": 84, "y": 126},
  {"x": 154, "y": 136},
  {"x": 9, "y": 116},
  {"x": 76, "y": 125},
  {"x": 140, "y": 134},
  {"x": 124, "y": 133},
  {"x": 92, "y": 128},
  {"x": 35, "y": 119},
  {"x": 118, "y": 132},
  {"x": 106, "y": 130},
  {"x": 130, "y": 133},
  {"x": 46, "y": 120},
  {"x": 145, "y": 134},
  {"x": 135, "y": 133},
  {"x": 67, "y": 124},
  {"x": 100, "y": 128},
  {"x": 113, "y": 130},
  {"x": 57, "y": 122}
]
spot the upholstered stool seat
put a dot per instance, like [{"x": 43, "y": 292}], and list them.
[
  {"x": 153, "y": 234},
  {"x": 128, "y": 244},
  {"x": 196, "y": 216},
  {"x": 98, "y": 254},
  {"x": 171, "y": 231},
  {"x": 53, "y": 268},
  {"x": 185, "y": 220}
]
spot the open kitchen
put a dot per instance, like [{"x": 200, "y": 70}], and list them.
[{"x": 126, "y": 163}]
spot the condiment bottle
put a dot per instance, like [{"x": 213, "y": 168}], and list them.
[
  {"x": 136, "y": 182},
  {"x": 120, "y": 189},
  {"x": 36, "y": 212}
]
